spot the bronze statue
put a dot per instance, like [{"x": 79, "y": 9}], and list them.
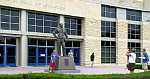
[{"x": 60, "y": 34}]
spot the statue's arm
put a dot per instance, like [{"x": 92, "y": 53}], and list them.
[
  {"x": 66, "y": 35},
  {"x": 54, "y": 33}
]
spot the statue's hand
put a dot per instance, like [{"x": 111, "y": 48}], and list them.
[{"x": 66, "y": 37}]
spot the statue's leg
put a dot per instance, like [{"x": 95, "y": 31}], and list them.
[
  {"x": 63, "y": 46},
  {"x": 59, "y": 47}
]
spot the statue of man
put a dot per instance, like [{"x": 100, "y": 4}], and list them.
[{"x": 60, "y": 34}]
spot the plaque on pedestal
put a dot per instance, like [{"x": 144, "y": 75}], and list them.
[{"x": 66, "y": 63}]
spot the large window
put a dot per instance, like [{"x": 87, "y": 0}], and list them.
[
  {"x": 108, "y": 52},
  {"x": 133, "y": 31},
  {"x": 136, "y": 47},
  {"x": 43, "y": 23},
  {"x": 73, "y": 25},
  {"x": 75, "y": 47},
  {"x": 108, "y": 11},
  {"x": 72, "y": 44},
  {"x": 7, "y": 51},
  {"x": 39, "y": 51},
  {"x": 108, "y": 29},
  {"x": 9, "y": 19},
  {"x": 7, "y": 40},
  {"x": 40, "y": 42},
  {"x": 134, "y": 15}
]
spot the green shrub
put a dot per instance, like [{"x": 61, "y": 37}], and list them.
[{"x": 139, "y": 66}]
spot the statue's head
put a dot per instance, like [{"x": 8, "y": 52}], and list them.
[
  {"x": 54, "y": 51},
  {"x": 71, "y": 50},
  {"x": 60, "y": 25}
]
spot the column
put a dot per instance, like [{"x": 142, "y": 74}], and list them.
[
  {"x": 24, "y": 39},
  {"x": 91, "y": 42},
  {"x": 62, "y": 19},
  {"x": 145, "y": 33},
  {"x": 17, "y": 52},
  {"x": 91, "y": 32},
  {"x": 121, "y": 37}
]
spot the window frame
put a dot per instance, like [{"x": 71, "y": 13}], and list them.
[
  {"x": 134, "y": 15},
  {"x": 108, "y": 26},
  {"x": 10, "y": 20},
  {"x": 134, "y": 31},
  {"x": 43, "y": 17},
  {"x": 108, "y": 54},
  {"x": 68, "y": 25},
  {"x": 108, "y": 11}
]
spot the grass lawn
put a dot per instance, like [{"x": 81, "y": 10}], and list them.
[{"x": 144, "y": 75}]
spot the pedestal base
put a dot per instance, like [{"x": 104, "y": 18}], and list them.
[
  {"x": 66, "y": 63},
  {"x": 67, "y": 71}
]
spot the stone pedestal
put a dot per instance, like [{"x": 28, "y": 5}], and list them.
[
  {"x": 67, "y": 71},
  {"x": 66, "y": 63}
]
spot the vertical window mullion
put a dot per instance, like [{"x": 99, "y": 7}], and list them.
[
  {"x": 43, "y": 23},
  {"x": 76, "y": 27},
  {"x": 20, "y": 20},
  {"x": 70, "y": 25},
  {"x": 0, "y": 19},
  {"x": 35, "y": 21},
  {"x": 9, "y": 19}
]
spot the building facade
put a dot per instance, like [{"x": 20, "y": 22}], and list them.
[{"x": 106, "y": 27}]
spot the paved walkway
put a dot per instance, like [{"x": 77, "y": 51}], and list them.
[
  {"x": 83, "y": 70},
  {"x": 103, "y": 70}
]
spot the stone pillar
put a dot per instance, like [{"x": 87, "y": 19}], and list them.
[
  {"x": 61, "y": 19},
  {"x": 121, "y": 37},
  {"x": 91, "y": 32},
  {"x": 145, "y": 37},
  {"x": 24, "y": 39},
  {"x": 145, "y": 33},
  {"x": 17, "y": 52},
  {"x": 92, "y": 42}
]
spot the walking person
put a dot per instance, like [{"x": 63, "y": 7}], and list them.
[
  {"x": 145, "y": 60},
  {"x": 53, "y": 61},
  {"x": 128, "y": 51},
  {"x": 131, "y": 60},
  {"x": 92, "y": 59},
  {"x": 70, "y": 53}
]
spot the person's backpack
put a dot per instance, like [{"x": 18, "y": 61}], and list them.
[{"x": 147, "y": 58}]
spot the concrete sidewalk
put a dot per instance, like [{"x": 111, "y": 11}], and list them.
[
  {"x": 103, "y": 70},
  {"x": 83, "y": 70}
]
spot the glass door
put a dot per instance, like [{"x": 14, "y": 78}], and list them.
[
  {"x": 76, "y": 53},
  {"x": 32, "y": 56},
  {"x": 77, "y": 56},
  {"x": 1, "y": 55},
  {"x": 11, "y": 55},
  {"x": 67, "y": 50},
  {"x": 42, "y": 56}
]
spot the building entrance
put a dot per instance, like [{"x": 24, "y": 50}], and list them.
[
  {"x": 39, "y": 51},
  {"x": 76, "y": 54},
  {"x": 7, "y": 51}
]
